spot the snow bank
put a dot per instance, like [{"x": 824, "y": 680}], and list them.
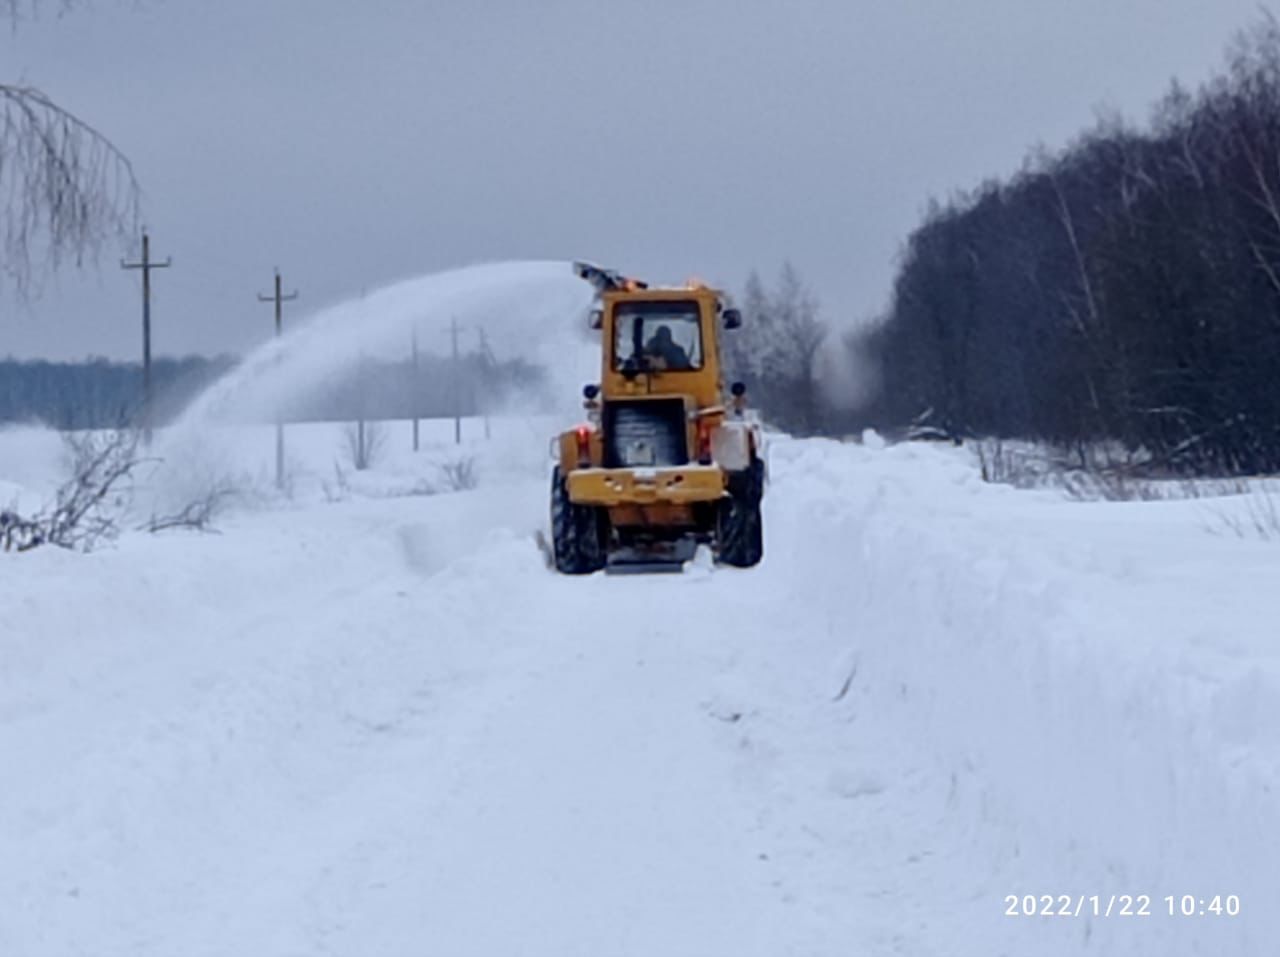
[
  {"x": 1057, "y": 727},
  {"x": 380, "y": 725}
]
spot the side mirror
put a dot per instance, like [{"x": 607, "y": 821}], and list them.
[
  {"x": 595, "y": 319},
  {"x": 732, "y": 319},
  {"x": 589, "y": 392},
  {"x": 739, "y": 389}
]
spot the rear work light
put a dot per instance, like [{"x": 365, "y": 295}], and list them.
[{"x": 704, "y": 441}]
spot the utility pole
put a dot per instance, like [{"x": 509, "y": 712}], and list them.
[
  {"x": 489, "y": 364},
  {"x": 457, "y": 385},
  {"x": 415, "y": 391},
  {"x": 279, "y": 299},
  {"x": 146, "y": 265}
]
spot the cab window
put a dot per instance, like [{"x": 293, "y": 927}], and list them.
[{"x": 657, "y": 336}]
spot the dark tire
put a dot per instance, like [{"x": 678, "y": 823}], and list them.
[
  {"x": 739, "y": 529},
  {"x": 579, "y": 532}
]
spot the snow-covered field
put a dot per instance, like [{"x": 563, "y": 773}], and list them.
[{"x": 365, "y": 720}]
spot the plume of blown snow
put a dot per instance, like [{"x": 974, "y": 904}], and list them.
[
  {"x": 532, "y": 310},
  {"x": 848, "y": 377}
]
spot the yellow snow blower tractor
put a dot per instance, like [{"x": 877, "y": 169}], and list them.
[{"x": 666, "y": 459}]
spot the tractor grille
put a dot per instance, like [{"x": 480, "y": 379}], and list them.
[{"x": 645, "y": 434}]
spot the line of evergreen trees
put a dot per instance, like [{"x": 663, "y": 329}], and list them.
[
  {"x": 1125, "y": 288},
  {"x": 98, "y": 393}
]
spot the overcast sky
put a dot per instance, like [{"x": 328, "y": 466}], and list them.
[{"x": 354, "y": 143}]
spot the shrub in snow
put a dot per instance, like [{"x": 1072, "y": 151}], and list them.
[
  {"x": 461, "y": 475},
  {"x": 364, "y": 442},
  {"x": 198, "y": 513},
  {"x": 87, "y": 507},
  {"x": 339, "y": 490},
  {"x": 1260, "y": 518}
]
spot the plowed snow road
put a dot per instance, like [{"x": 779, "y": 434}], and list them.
[{"x": 383, "y": 727}]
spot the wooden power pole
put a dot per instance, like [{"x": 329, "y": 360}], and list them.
[
  {"x": 489, "y": 364},
  {"x": 415, "y": 391},
  {"x": 146, "y": 265},
  {"x": 457, "y": 385},
  {"x": 279, "y": 299}
]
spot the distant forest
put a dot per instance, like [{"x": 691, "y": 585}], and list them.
[
  {"x": 1123, "y": 289},
  {"x": 98, "y": 393},
  {"x": 1126, "y": 288}
]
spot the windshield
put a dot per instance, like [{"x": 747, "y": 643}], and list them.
[{"x": 657, "y": 336}]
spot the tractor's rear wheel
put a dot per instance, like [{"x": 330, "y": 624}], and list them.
[
  {"x": 579, "y": 532},
  {"x": 739, "y": 529}
]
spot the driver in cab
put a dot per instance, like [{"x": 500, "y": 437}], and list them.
[{"x": 663, "y": 352}]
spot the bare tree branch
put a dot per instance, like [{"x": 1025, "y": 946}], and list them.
[
  {"x": 198, "y": 513},
  {"x": 16, "y": 11},
  {"x": 87, "y": 507},
  {"x": 65, "y": 189}
]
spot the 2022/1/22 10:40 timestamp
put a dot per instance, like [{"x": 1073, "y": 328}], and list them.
[
  {"x": 1119, "y": 905},
  {"x": 1188, "y": 905}
]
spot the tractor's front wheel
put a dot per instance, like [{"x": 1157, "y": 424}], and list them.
[
  {"x": 579, "y": 532},
  {"x": 739, "y": 529}
]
